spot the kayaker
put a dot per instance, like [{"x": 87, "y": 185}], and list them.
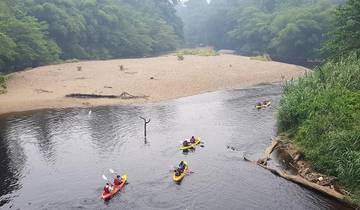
[
  {"x": 117, "y": 180},
  {"x": 177, "y": 172},
  {"x": 182, "y": 166},
  {"x": 186, "y": 143},
  {"x": 192, "y": 140},
  {"x": 107, "y": 188}
]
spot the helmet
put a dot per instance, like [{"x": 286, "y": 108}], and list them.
[{"x": 118, "y": 176}]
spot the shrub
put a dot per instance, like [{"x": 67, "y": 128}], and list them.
[
  {"x": 180, "y": 57},
  {"x": 264, "y": 57},
  {"x": 2, "y": 83},
  {"x": 199, "y": 52}
]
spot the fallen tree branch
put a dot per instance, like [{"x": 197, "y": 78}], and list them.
[
  {"x": 301, "y": 181},
  {"x": 123, "y": 95},
  {"x": 267, "y": 153},
  {"x": 326, "y": 190}
]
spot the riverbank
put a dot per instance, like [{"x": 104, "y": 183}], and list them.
[
  {"x": 321, "y": 114},
  {"x": 292, "y": 166},
  {"x": 159, "y": 78}
]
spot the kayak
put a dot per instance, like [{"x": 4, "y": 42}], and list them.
[
  {"x": 116, "y": 189},
  {"x": 267, "y": 104},
  {"x": 182, "y": 175},
  {"x": 192, "y": 146}
]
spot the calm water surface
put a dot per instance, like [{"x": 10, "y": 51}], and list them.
[{"x": 54, "y": 159}]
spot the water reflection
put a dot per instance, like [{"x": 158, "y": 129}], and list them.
[
  {"x": 54, "y": 159},
  {"x": 12, "y": 161}
]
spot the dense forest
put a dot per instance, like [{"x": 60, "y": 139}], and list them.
[
  {"x": 285, "y": 29},
  {"x": 37, "y": 32}
]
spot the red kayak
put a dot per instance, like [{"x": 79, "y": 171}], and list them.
[{"x": 116, "y": 188}]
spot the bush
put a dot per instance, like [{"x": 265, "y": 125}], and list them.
[
  {"x": 180, "y": 56},
  {"x": 264, "y": 57},
  {"x": 321, "y": 111},
  {"x": 199, "y": 52},
  {"x": 2, "y": 83}
]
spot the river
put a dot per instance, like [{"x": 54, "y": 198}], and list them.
[{"x": 55, "y": 159}]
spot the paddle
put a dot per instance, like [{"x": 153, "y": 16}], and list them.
[
  {"x": 112, "y": 171},
  {"x": 105, "y": 178}
]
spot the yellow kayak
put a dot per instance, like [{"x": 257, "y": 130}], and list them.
[
  {"x": 267, "y": 104},
  {"x": 182, "y": 175},
  {"x": 192, "y": 146}
]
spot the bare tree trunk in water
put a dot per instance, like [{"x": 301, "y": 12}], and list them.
[{"x": 145, "y": 124}]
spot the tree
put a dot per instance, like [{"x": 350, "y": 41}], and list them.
[{"x": 345, "y": 38}]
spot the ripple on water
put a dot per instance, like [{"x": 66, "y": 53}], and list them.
[{"x": 54, "y": 159}]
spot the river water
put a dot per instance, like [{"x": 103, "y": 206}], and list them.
[{"x": 54, "y": 159}]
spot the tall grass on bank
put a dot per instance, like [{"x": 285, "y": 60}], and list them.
[{"x": 321, "y": 112}]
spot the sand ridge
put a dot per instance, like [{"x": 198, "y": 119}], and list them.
[{"x": 160, "y": 78}]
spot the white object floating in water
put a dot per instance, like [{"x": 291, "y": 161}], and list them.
[{"x": 90, "y": 112}]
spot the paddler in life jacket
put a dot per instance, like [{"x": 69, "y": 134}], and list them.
[
  {"x": 117, "y": 180},
  {"x": 186, "y": 143},
  {"x": 177, "y": 172},
  {"x": 182, "y": 166},
  {"x": 192, "y": 140},
  {"x": 107, "y": 188}
]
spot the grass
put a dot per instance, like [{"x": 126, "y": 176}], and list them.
[
  {"x": 264, "y": 57},
  {"x": 321, "y": 113},
  {"x": 198, "y": 52},
  {"x": 3, "y": 80}
]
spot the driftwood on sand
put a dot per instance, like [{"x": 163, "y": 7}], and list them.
[
  {"x": 310, "y": 184},
  {"x": 123, "y": 95}
]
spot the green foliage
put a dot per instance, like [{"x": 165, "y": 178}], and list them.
[
  {"x": 264, "y": 57},
  {"x": 3, "y": 83},
  {"x": 36, "y": 32},
  {"x": 24, "y": 43},
  {"x": 199, "y": 52},
  {"x": 89, "y": 29},
  {"x": 345, "y": 38},
  {"x": 322, "y": 112},
  {"x": 282, "y": 28}
]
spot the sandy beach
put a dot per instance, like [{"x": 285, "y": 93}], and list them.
[{"x": 159, "y": 78}]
